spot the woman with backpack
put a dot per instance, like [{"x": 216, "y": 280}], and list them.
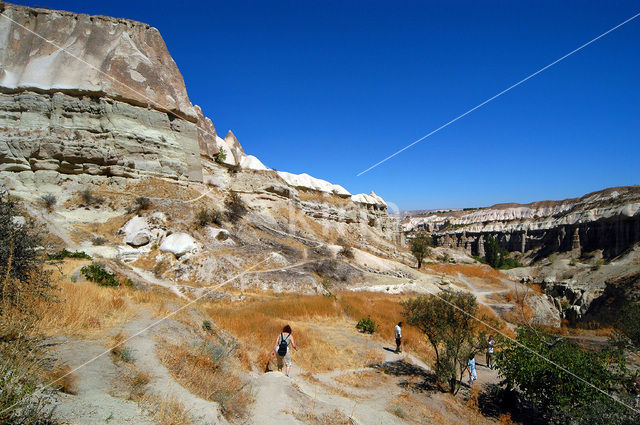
[{"x": 281, "y": 349}]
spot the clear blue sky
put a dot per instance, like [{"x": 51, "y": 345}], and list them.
[{"x": 331, "y": 87}]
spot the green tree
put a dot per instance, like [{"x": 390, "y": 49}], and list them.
[
  {"x": 556, "y": 391},
  {"x": 21, "y": 258},
  {"x": 452, "y": 332},
  {"x": 493, "y": 255},
  {"x": 420, "y": 247}
]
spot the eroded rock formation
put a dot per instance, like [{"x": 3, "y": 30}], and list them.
[
  {"x": 99, "y": 96},
  {"x": 608, "y": 220}
]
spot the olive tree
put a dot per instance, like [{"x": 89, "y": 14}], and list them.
[
  {"x": 564, "y": 381},
  {"x": 420, "y": 247},
  {"x": 448, "y": 321}
]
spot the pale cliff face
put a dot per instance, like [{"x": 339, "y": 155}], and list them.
[
  {"x": 119, "y": 58},
  {"x": 609, "y": 203}
]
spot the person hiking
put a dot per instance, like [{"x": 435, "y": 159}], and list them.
[
  {"x": 636, "y": 389},
  {"x": 490, "y": 344},
  {"x": 281, "y": 349},
  {"x": 471, "y": 367},
  {"x": 398, "y": 332}
]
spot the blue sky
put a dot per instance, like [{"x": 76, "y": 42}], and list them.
[{"x": 332, "y": 87}]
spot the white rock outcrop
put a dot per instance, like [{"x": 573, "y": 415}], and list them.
[
  {"x": 178, "y": 244},
  {"x": 306, "y": 181}
]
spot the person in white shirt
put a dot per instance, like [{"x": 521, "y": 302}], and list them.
[
  {"x": 490, "y": 344},
  {"x": 398, "y": 332}
]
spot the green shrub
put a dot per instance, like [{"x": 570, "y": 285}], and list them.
[
  {"x": 367, "y": 325},
  {"x": 221, "y": 156},
  {"x": 96, "y": 273},
  {"x": 62, "y": 254},
  {"x": 236, "y": 209},
  {"x": 530, "y": 365},
  {"x": 205, "y": 217},
  {"x": 206, "y": 325}
]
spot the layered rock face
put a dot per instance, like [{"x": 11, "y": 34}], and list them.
[
  {"x": 112, "y": 103},
  {"x": 607, "y": 220},
  {"x": 99, "y": 96}
]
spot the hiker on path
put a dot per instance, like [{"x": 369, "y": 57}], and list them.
[
  {"x": 636, "y": 389},
  {"x": 281, "y": 349},
  {"x": 398, "y": 332},
  {"x": 490, "y": 344},
  {"x": 471, "y": 367}
]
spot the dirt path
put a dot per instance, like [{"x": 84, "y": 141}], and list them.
[
  {"x": 93, "y": 403},
  {"x": 99, "y": 380}
]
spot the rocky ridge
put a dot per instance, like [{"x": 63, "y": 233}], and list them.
[
  {"x": 114, "y": 104},
  {"x": 607, "y": 220}
]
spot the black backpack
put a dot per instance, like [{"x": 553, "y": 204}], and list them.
[{"x": 282, "y": 347}]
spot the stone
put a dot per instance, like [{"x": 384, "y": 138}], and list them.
[
  {"x": 178, "y": 244},
  {"x": 140, "y": 239}
]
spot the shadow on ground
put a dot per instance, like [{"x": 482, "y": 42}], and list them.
[{"x": 418, "y": 379}]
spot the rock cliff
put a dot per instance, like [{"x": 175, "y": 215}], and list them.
[
  {"x": 608, "y": 220},
  {"x": 102, "y": 97}
]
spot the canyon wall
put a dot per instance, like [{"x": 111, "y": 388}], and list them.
[
  {"x": 607, "y": 220},
  {"x": 102, "y": 97}
]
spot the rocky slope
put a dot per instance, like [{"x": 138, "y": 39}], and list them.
[
  {"x": 607, "y": 220},
  {"x": 98, "y": 96}
]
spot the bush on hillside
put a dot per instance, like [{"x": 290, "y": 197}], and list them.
[
  {"x": 346, "y": 251},
  {"x": 97, "y": 273},
  {"x": 21, "y": 258},
  {"x": 49, "y": 201},
  {"x": 529, "y": 366},
  {"x": 367, "y": 325},
  {"x": 236, "y": 208},
  {"x": 205, "y": 217},
  {"x": 63, "y": 253},
  {"x": 25, "y": 285}
]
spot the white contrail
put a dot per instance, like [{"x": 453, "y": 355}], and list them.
[{"x": 499, "y": 94}]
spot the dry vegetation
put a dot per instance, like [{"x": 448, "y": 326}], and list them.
[
  {"x": 166, "y": 411},
  {"x": 257, "y": 321},
  {"x": 333, "y": 418},
  {"x": 364, "y": 380},
  {"x": 484, "y": 272},
  {"x": 81, "y": 308},
  {"x": 204, "y": 371}
]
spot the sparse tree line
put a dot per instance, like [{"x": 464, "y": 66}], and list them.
[
  {"x": 559, "y": 381},
  {"x": 495, "y": 256}
]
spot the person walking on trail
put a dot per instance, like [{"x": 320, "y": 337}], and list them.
[
  {"x": 281, "y": 349},
  {"x": 490, "y": 344},
  {"x": 398, "y": 332},
  {"x": 636, "y": 389},
  {"x": 471, "y": 368}
]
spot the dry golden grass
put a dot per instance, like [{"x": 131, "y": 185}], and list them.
[
  {"x": 485, "y": 272},
  {"x": 198, "y": 371},
  {"x": 83, "y": 309},
  {"x": 332, "y": 389},
  {"x": 167, "y": 411},
  {"x": 386, "y": 311},
  {"x": 258, "y": 321},
  {"x": 366, "y": 380},
  {"x": 333, "y": 418},
  {"x": 64, "y": 381}
]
